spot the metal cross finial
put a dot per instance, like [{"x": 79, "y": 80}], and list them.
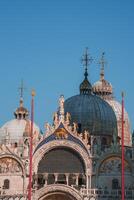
[
  {"x": 21, "y": 89},
  {"x": 86, "y": 60},
  {"x": 102, "y": 62}
]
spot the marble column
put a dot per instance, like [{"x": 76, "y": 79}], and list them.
[
  {"x": 45, "y": 176},
  {"x": 77, "y": 179},
  {"x": 87, "y": 182},
  {"x": 56, "y": 177},
  {"x": 67, "y": 178}
]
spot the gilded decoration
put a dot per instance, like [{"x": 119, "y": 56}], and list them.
[
  {"x": 9, "y": 165},
  {"x": 113, "y": 166},
  {"x": 61, "y": 133}
]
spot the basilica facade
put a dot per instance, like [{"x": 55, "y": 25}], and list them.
[{"x": 78, "y": 157}]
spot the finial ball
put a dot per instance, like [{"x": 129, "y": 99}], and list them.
[{"x": 33, "y": 93}]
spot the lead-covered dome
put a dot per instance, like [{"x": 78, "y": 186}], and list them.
[
  {"x": 92, "y": 114},
  {"x": 89, "y": 111}
]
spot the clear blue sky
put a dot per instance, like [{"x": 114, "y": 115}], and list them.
[{"x": 41, "y": 42}]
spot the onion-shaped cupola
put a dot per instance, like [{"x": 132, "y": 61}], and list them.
[
  {"x": 102, "y": 87},
  {"x": 89, "y": 111}
]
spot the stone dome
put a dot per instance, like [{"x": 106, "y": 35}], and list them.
[
  {"x": 117, "y": 107},
  {"x": 92, "y": 114},
  {"x": 19, "y": 127}
]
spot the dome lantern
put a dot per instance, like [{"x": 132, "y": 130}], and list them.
[
  {"x": 85, "y": 86},
  {"x": 102, "y": 87},
  {"x": 21, "y": 112}
]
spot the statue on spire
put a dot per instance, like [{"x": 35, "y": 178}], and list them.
[{"x": 86, "y": 60}]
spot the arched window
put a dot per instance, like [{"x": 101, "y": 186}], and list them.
[
  {"x": 115, "y": 184},
  {"x": 79, "y": 128},
  {"x": 6, "y": 184},
  {"x": 103, "y": 143}
]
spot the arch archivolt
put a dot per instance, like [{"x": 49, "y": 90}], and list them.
[
  {"x": 62, "y": 143},
  {"x": 112, "y": 162},
  {"x": 57, "y": 188}
]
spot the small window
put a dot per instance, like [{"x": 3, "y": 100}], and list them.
[
  {"x": 6, "y": 184},
  {"x": 115, "y": 184}
]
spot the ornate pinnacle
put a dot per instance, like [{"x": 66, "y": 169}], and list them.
[
  {"x": 21, "y": 89},
  {"x": 61, "y": 108}
]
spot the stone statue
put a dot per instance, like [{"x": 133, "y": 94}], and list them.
[
  {"x": 68, "y": 117},
  {"x": 61, "y": 107},
  {"x": 74, "y": 127},
  {"x": 26, "y": 150},
  {"x": 55, "y": 119},
  {"x": 48, "y": 128},
  {"x": 61, "y": 104},
  {"x": 86, "y": 136}
]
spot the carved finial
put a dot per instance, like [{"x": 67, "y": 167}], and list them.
[
  {"x": 21, "y": 112},
  {"x": 102, "y": 62},
  {"x": 86, "y": 60},
  {"x": 61, "y": 107},
  {"x": 21, "y": 89}
]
